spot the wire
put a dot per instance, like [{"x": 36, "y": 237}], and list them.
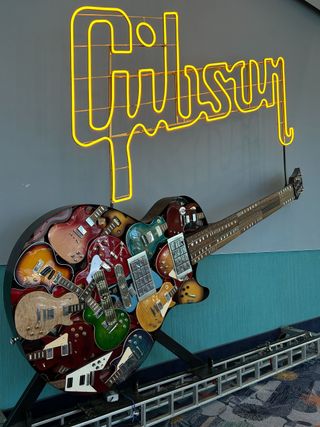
[{"x": 284, "y": 165}]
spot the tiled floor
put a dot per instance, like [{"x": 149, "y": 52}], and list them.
[{"x": 289, "y": 399}]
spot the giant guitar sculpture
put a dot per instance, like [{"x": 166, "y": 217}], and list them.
[{"x": 85, "y": 296}]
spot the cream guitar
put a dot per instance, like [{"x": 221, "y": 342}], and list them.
[{"x": 37, "y": 313}]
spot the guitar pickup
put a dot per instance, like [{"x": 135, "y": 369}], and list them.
[{"x": 38, "y": 266}]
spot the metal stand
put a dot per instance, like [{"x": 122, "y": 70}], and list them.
[
  {"x": 177, "y": 349},
  {"x": 21, "y": 414}
]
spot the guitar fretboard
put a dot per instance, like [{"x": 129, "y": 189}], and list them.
[
  {"x": 93, "y": 218},
  {"x": 122, "y": 285},
  {"x": 215, "y": 236},
  {"x": 105, "y": 298},
  {"x": 89, "y": 301},
  {"x": 123, "y": 371},
  {"x": 115, "y": 222}
]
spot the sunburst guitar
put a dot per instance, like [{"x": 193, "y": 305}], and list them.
[
  {"x": 152, "y": 310},
  {"x": 36, "y": 258}
]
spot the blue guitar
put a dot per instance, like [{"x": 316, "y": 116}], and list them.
[{"x": 146, "y": 237}]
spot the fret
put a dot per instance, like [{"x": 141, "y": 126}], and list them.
[
  {"x": 164, "y": 227},
  {"x": 213, "y": 237},
  {"x": 62, "y": 281},
  {"x": 74, "y": 308},
  {"x": 88, "y": 290},
  {"x": 123, "y": 370}
]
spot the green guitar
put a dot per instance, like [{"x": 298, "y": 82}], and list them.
[
  {"x": 146, "y": 237},
  {"x": 112, "y": 327}
]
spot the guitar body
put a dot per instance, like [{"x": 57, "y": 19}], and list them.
[
  {"x": 106, "y": 371},
  {"x": 17, "y": 294},
  {"x": 108, "y": 337},
  {"x": 152, "y": 310},
  {"x": 36, "y": 258},
  {"x": 70, "y": 239},
  {"x": 145, "y": 237},
  {"x": 104, "y": 253},
  {"x": 183, "y": 216},
  {"x": 77, "y": 351},
  {"x": 119, "y": 299},
  {"x": 40, "y": 232},
  {"x": 37, "y": 313}
]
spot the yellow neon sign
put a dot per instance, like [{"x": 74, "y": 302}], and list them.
[{"x": 209, "y": 93}]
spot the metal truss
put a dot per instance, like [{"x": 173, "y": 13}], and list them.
[{"x": 154, "y": 403}]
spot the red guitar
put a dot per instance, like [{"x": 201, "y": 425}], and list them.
[
  {"x": 109, "y": 254},
  {"x": 72, "y": 349},
  {"x": 70, "y": 239},
  {"x": 183, "y": 216}
]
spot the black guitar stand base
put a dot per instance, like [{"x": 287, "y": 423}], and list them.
[{"x": 177, "y": 349}]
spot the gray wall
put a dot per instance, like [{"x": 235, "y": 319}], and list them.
[{"x": 223, "y": 165}]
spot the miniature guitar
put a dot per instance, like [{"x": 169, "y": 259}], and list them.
[
  {"x": 99, "y": 374},
  {"x": 41, "y": 231},
  {"x": 104, "y": 253},
  {"x": 38, "y": 312},
  {"x": 36, "y": 258},
  {"x": 182, "y": 216},
  {"x": 72, "y": 349},
  {"x": 115, "y": 222},
  {"x": 70, "y": 239},
  {"x": 146, "y": 237},
  {"x": 152, "y": 310},
  {"x": 113, "y": 326},
  {"x": 110, "y": 255}
]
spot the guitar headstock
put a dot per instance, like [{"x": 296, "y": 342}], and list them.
[{"x": 296, "y": 181}]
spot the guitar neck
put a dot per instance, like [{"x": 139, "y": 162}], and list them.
[
  {"x": 214, "y": 236},
  {"x": 123, "y": 371},
  {"x": 93, "y": 218},
  {"x": 83, "y": 296},
  {"x": 114, "y": 223},
  {"x": 105, "y": 298},
  {"x": 67, "y": 284}
]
